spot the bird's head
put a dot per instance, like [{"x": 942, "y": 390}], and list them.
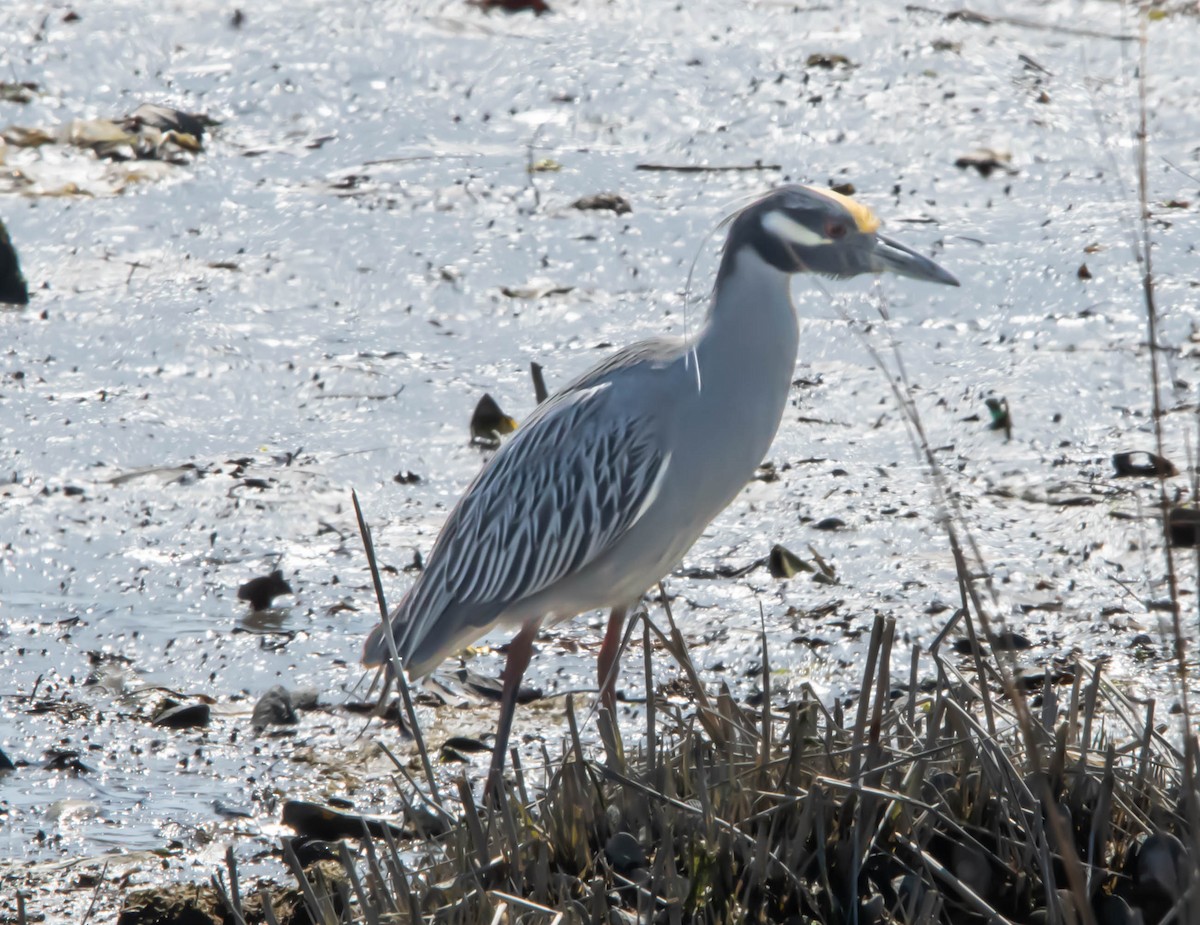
[{"x": 802, "y": 229}]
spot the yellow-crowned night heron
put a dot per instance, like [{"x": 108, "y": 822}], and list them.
[{"x": 607, "y": 485}]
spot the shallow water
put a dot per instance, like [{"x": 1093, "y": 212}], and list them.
[{"x": 316, "y": 302}]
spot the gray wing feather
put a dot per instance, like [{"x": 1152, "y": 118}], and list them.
[
  {"x": 551, "y": 502},
  {"x": 575, "y": 477}
]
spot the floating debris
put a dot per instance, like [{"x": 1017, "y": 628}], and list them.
[
  {"x": 406, "y": 477},
  {"x": 183, "y": 474},
  {"x": 489, "y": 423},
  {"x": 1083, "y": 272},
  {"x": 142, "y": 146},
  {"x": 537, "y": 7},
  {"x": 783, "y": 563},
  {"x": 1183, "y": 526},
  {"x": 20, "y": 137},
  {"x": 466, "y": 744},
  {"x": 13, "y": 288},
  {"x": 491, "y": 688},
  {"x": 537, "y": 289},
  {"x": 1000, "y": 642},
  {"x": 946, "y": 45},
  {"x": 274, "y": 708},
  {"x": 986, "y": 161},
  {"x": 65, "y": 759},
  {"x": 540, "y": 392},
  {"x": 1142, "y": 464},
  {"x": 708, "y": 168},
  {"x": 17, "y": 91},
  {"x": 611, "y": 202},
  {"x": 1001, "y": 418},
  {"x": 150, "y": 132},
  {"x": 184, "y": 716},
  {"x": 313, "y": 820},
  {"x": 261, "y": 591},
  {"x": 721, "y": 571},
  {"x": 166, "y": 119},
  {"x": 766, "y": 472},
  {"x": 828, "y": 60}
]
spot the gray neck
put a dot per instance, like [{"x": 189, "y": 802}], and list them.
[
  {"x": 751, "y": 316},
  {"x": 744, "y": 359}
]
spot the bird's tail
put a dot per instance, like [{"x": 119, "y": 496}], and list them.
[
  {"x": 375, "y": 649},
  {"x": 423, "y": 643}
]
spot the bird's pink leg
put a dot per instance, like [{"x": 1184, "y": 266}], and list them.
[
  {"x": 519, "y": 652},
  {"x": 607, "y": 668}
]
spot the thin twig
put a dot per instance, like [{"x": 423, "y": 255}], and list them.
[{"x": 707, "y": 168}]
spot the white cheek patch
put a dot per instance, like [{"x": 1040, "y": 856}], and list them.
[{"x": 791, "y": 230}]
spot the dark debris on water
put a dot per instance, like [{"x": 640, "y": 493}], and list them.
[
  {"x": 1183, "y": 526},
  {"x": 274, "y": 708},
  {"x": 489, "y": 423},
  {"x": 261, "y": 592},
  {"x": 1142, "y": 464},
  {"x": 150, "y": 132},
  {"x": 13, "y": 288},
  {"x": 184, "y": 716},
  {"x": 604, "y": 202}
]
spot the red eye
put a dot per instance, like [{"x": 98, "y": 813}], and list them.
[{"x": 835, "y": 230}]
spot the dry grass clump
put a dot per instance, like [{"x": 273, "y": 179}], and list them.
[{"x": 926, "y": 801}]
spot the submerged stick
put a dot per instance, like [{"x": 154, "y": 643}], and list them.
[{"x": 706, "y": 168}]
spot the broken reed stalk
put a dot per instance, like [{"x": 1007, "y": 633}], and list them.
[
  {"x": 319, "y": 905},
  {"x": 268, "y": 910},
  {"x": 231, "y": 899},
  {"x": 540, "y": 392},
  {"x": 234, "y": 887},
  {"x": 677, "y": 647},
  {"x": 651, "y": 714},
  {"x": 87, "y": 916},
  {"x": 351, "y": 871},
  {"x": 397, "y": 668},
  {"x": 1144, "y": 257}
]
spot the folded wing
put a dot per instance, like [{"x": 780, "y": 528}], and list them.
[{"x": 575, "y": 478}]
